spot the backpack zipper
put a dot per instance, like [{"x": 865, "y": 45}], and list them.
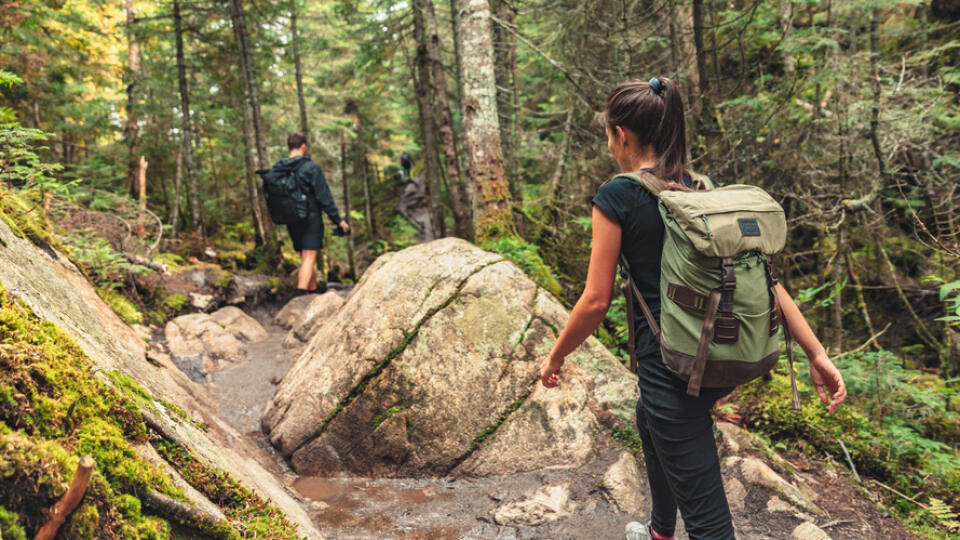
[{"x": 707, "y": 225}]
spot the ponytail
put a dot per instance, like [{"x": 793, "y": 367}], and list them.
[{"x": 653, "y": 111}]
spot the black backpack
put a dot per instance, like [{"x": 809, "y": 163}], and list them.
[{"x": 287, "y": 198}]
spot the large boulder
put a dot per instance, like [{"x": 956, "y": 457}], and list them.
[{"x": 431, "y": 367}]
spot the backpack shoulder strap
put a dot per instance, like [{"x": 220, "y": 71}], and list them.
[
  {"x": 630, "y": 291},
  {"x": 645, "y": 179}
]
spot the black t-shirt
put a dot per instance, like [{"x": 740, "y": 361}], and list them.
[{"x": 635, "y": 209}]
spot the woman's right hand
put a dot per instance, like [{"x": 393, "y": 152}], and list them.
[
  {"x": 550, "y": 372},
  {"x": 826, "y": 377}
]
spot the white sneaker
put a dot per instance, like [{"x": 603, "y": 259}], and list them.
[{"x": 637, "y": 531}]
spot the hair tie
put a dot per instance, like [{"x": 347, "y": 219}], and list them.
[{"x": 656, "y": 86}]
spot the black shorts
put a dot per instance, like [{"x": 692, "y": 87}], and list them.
[{"x": 307, "y": 233}]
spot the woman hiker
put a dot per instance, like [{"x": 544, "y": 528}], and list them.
[{"x": 645, "y": 130}]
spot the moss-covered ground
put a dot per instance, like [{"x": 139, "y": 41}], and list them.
[
  {"x": 54, "y": 409},
  {"x": 899, "y": 425}
]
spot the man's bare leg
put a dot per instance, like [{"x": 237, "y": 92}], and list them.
[{"x": 307, "y": 277}]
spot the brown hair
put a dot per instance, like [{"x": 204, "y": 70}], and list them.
[
  {"x": 296, "y": 140},
  {"x": 655, "y": 115}
]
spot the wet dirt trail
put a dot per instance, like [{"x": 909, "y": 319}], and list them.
[
  {"x": 355, "y": 508},
  {"x": 382, "y": 508}
]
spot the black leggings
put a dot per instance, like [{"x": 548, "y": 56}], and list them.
[{"x": 681, "y": 458}]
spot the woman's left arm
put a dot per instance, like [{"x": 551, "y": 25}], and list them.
[
  {"x": 595, "y": 300},
  {"x": 825, "y": 376}
]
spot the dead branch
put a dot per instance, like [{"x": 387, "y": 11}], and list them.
[
  {"x": 68, "y": 503},
  {"x": 865, "y": 344},
  {"x": 895, "y": 492}
]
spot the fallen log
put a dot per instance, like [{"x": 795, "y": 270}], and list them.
[{"x": 60, "y": 511}]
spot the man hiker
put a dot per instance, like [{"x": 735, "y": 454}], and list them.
[{"x": 296, "y": 193}]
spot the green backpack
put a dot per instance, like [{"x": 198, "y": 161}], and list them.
[{"x": 719, "y": 312}]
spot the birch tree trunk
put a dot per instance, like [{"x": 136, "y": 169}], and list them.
[
  {"x": 492, "y": 216},
  {"x": 131, "y": 128},
  {"x": 186, "y": 127},
  {"x": 298, "y": 69},
  {"x": 425, "y": 90},
  {"x": 455, "y": 187}
]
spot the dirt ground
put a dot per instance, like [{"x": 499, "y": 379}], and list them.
[{"x": 453, "y": 508}]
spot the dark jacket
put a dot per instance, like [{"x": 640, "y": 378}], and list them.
[{"x": 310, "y": 175}]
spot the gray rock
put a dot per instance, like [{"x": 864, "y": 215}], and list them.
[
  {"x": 548, "y": 503},
  {"x": 248, "y": 289},
  {"x": 622, "y": 486},
  {"x": 808, "y": 531},
  {"x": 759, "y": 473},
  {"x": 292, "y": 311},
  {"x": 446, "y": 338},
  {"x": 736, "y": 494},
  {"x": 202, "y": 302},
  {"x": 238, "y": 323},
  {"x": 316, "y": 313}
]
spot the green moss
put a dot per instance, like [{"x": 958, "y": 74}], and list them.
[
  {"x": 526, "y": 256},
  {"x": 174, "y": 303},
  {"x": 54, "y": 409},
  {"x": 384, "y": 415},
  {"x": 22, "y": 211},
  {"x": 172, "y": 261},
  {"x": 627, "y": 438},
  {"x": 492, "y": 428},
  {"x": 9, "y": 526},
  {"x": 224, "y": 279},
  {"x": 253, "y": 517},
  {"x": 123, "y": 307}
]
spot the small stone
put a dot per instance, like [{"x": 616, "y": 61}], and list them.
[
  {"x": 238, "y": 323},
  {"x": 202, "y": 302},
  {"x": 622, "y": 486},
  {"x": 759, "y": 473},
  {"x": 291, "y": 312},
  {"x": 736, "y": 494},
  {"x": 548, "y": 503},
  {"x": 730, "y": 435},
  {"x": 275, "y": 379},
  {"x": 808, "y": 531}
]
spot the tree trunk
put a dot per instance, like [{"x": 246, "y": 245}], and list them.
[
  {"x": 455, "y": 188},
  {"x": 457, "y": 52},
  {"x": 837, "y": 307},
  {"x": 298, "y": 69},
  {"x": 492, "y": 215},
  {"x": 425, "y": 89},
  {"x": 346, "y": 202},
  {"x": 367, "y": 203},
  {"x": 706, "y": 109},
  {"x": 131, "y": 128},
  {"x": 505, "y": 65},
  {"x": 196, "y": 218},
  {"x": 177, "y": 188},
  {"x": 786, "y": 28},
  {"x": 256, "y": 151}
]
